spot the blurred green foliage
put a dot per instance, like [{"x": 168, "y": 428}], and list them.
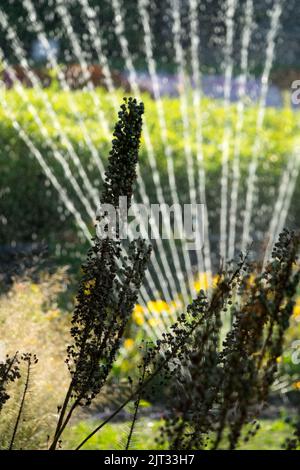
[
  {"x": 30, "y": 205},
  {"x": 30, "y": 208},
  {"x": 271, "y": 435}
]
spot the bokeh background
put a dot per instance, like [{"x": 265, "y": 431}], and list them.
[{"x": 220, "y": 128}]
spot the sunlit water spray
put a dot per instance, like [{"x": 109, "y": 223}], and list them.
[
  {"x": 228, "y": 61},
  {"x": 246, "y": 37},
  {"x": 102, "y": 118},
  {"x": 119, "y": 29},
  {"x": 196, "y": 78},
  {"x": 173, "y": 276},
  {"x": 270, "y": 51}
]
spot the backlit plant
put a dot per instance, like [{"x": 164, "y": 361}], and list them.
[
  {"x": 109, "y": 286},
  {"x": 216, "y": 385}
]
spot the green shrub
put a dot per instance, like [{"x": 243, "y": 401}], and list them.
[{"x": 28, "y": 203}]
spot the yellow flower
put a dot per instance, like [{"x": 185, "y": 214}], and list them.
[
  {"x": 153, "y": 322},
  {"x": 138, "y": 315},
  {"x": 162, "y": 306},
  {"x": 138, "y": 308},
  {"x": 216, "y": 280},
  {"x": 296, "y": 385},
  {"x": 158, "y": 306},
  {"x": 279, "y": 360},
  {"x": 34, "y": 288},
  {"x": 201, "y": 282},
  {"x": 296, "y": 311},
  {"x": 87, "y": 292},
  {"x": 251, "y": 280},
  {"x": 52, "y": 314},
  {"x": 128, "y": 343},
  {"x": 151, "y": 305}
]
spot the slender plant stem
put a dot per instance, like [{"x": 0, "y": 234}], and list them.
[
  {"x": 62, "y": 413},
  {"x": 136, "y": 409},
  {"x": 21, "y": 405}
]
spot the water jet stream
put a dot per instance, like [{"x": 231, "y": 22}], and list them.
[
  {"x": 229, "y": 23},
  {"x": 105, "y": 123},
  {"x": 171, "y": 266},
  {"x": 196, "y": 76},
  {"x": 274, "y": 26},
  {"x": 78, "y": 51},
  {"x": 283, "y": 201},
  {"x": 181, "y": 66},
  {"x": 246, "y": 36},
  {"x": 119, "y": 28}
]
